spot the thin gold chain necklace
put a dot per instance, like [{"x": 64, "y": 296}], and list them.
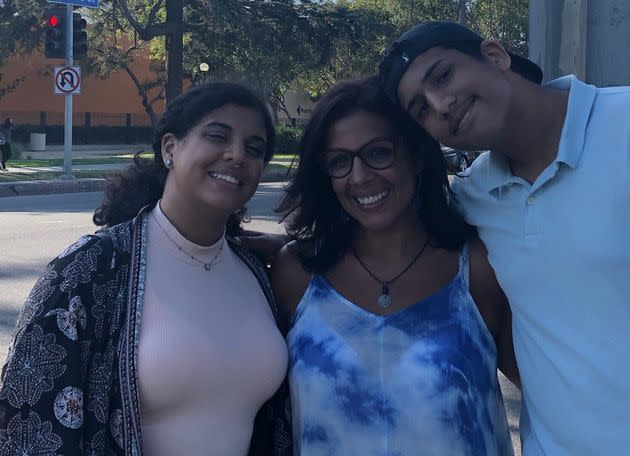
[{"x": 207, "y": 265}]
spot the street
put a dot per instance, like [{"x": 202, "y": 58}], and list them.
[{"x": 36, "y": 228}]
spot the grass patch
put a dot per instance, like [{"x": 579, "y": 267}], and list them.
[
  {"x": 76, "y": 161},
  {"x": 106, "y": 160},
  {"x": 14, "y": 176},
  {"x": 283, "y": 157}
]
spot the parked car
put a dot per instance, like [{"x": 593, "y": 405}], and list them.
[{"x": 460, "y": 160}]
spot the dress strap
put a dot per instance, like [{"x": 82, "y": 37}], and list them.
[{"x": 464, "y": 269}]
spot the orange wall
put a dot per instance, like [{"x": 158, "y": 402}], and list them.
[{"x": 115, "y": 95}]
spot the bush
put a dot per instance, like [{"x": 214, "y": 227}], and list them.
[
  {"x": 288, "y": 139},
  {"x": 87, "y": 135},
  {"x": 17, "y": 150}
]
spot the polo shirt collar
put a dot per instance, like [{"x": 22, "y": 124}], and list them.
[{"x": 581, "y": 99}]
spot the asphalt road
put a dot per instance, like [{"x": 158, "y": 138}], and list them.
[{"x": 34, "y": 229}]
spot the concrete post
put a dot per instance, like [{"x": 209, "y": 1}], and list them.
[
  {"x": 558, "y": 36},
  {"x": 608, "y": 46},
  {"x": 588, "y": 38}
]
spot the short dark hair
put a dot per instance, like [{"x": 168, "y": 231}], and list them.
[
  {"x": 310, "y": 205},
  {"x": 143, "y": 182}
]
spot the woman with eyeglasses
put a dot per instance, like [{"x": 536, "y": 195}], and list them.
[{"x": 398, "y": 324}]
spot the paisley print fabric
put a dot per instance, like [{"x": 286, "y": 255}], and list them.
[{"x": 65, "y": 386}]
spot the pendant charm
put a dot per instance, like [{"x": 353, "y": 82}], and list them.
[
  {"x": 207, "y": 266},
  {"x": 384, "y": 301}
]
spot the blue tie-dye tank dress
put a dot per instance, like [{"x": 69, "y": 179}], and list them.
[{"x": 421, "y": 381}]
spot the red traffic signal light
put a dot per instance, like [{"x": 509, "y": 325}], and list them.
[
  {"x": 53, "y": 20},
  {"x": 55, "y": 37}
]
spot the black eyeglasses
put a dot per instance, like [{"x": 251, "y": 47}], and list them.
[{"x": 377, "y": 155}]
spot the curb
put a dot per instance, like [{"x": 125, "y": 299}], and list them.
[
  {"x": 46, "y": 187},
  {"x": 49, "y": 187}
]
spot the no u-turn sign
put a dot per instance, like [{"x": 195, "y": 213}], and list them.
[{"x": 68, "y": 80}]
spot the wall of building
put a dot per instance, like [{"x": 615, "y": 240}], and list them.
[{"x": 112, "y": 101}]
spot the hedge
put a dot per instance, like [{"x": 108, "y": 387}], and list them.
[
  {"x": 288, "y": 137},
  {"x": 87, "y": 135}
]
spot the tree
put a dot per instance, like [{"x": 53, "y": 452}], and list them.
[
  {"x": 19, "y": 32},
  {"x": 149, "y": 22},
  {"x": 504, "y": 20},
  {"x": 272, "y": 45},
  {"x": 113, "y": 47},
  {"x": 463, "y": 12}
]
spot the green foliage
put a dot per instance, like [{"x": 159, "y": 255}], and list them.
[
  {"x": 273, "y": 45},
  {"x": 288, "y": 139},
  {"x": 504, "y": 20},
  {"x": 20, "y": 31}
]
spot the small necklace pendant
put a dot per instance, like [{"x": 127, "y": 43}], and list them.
[
  {"x": 384, "y": 301},
  {"x": 207, "y": 266}
]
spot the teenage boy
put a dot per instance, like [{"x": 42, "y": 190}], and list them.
[{"x": 551, "y": 201}]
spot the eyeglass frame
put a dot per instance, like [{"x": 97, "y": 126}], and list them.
[{"x": 354, "y": 155}]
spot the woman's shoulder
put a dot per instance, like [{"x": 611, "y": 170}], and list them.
[
  {"x": 116, "y": 238},
  {"x": 289, "y": 258},
  {"x": 289, "y": 277}
]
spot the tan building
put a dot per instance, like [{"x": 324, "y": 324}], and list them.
[{"x": 103, "y": 102}]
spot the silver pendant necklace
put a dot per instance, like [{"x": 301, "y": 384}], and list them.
[
  {"x": 384, "y": 300},
  {"x": 207, "y": 265}
]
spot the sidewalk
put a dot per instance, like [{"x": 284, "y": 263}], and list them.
[{"x": 275, "y": 173}]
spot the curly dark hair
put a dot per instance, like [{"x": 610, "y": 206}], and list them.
[
  {"x": 143, "y": 182},
  {"x": 310, "y": 206}
]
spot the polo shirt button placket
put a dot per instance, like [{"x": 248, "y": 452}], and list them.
[{"x": 532, "y": 224}]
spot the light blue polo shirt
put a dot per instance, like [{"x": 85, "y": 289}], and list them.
[{"x": 561, "y": 251}]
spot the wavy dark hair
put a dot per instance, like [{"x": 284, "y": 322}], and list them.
[
  {"x": 310, "y": 206},
  {"x": 143, "y": 182}
]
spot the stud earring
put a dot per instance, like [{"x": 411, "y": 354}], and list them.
[{"x": 169, "y": 163}]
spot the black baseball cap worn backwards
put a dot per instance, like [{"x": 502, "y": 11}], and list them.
[{"x": 428, "y": 35}]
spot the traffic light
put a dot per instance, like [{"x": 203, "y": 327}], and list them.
[
  {"x": 55, "y": 45},
  {"x": 79, "y": 36}
]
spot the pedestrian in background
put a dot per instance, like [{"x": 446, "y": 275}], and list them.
[
  {"x": 5, "y": 142},
  {"x": 159, "y": 335}
]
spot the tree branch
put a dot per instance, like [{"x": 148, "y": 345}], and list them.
[{"x": 142, "y": 92}]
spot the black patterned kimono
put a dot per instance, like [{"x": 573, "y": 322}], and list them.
[{"x": 69, "y": 385}]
